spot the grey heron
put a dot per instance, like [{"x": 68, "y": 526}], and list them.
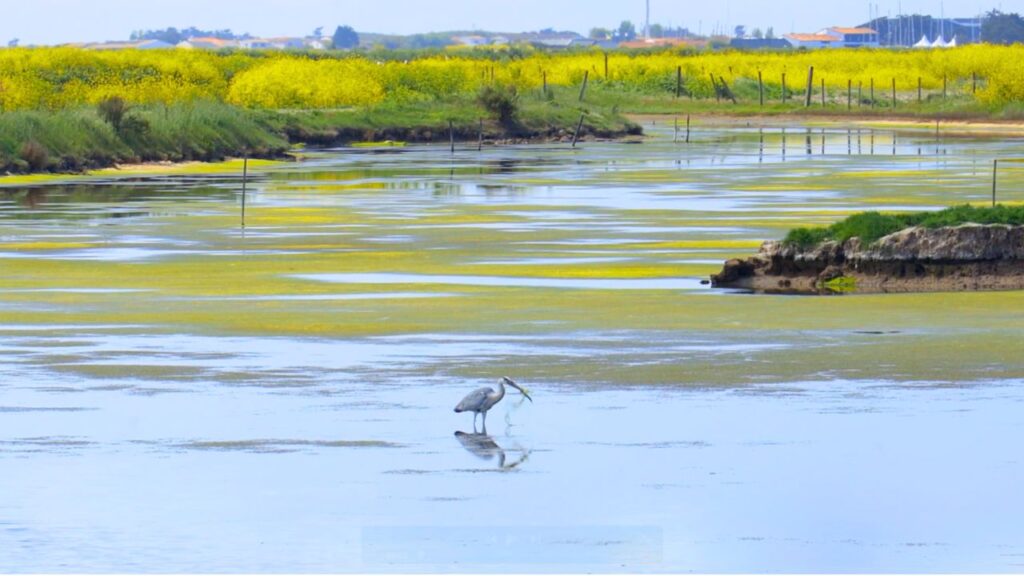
[{"x": 483, "y": 399}]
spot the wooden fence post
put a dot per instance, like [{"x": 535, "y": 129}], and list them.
[
  {"x": 810, "y": 87},
  {"x": 872, "y": 93},
  {"x": 783, "y": 87},
  {"x": 849, "y": 94},
  {"x": 822, "y": 92},
  {"x": 576, "y": 135},
  {"x": 606, "y": 66},
  {"x": 245, "y": 179},
  {"x": 760, "y": 89},
  {"x": 893, "y": 93},
  {"x": 919, "y": 99},
  {"x": 995, "y": 168},
  {"x": 679, "y": 81},
  {"x": 583, "y": 89}
]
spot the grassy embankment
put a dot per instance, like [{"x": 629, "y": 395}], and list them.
[
  {"x": 871, "y": 226},
  {"x": 80, "y": 138}
]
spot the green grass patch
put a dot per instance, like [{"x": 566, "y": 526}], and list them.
[{"x": 871, "y": 226}]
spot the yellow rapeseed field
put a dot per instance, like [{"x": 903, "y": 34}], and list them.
[{"x": 54, "y": 78}]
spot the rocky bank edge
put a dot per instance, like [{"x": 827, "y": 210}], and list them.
[{"x": 966, "y": 257}]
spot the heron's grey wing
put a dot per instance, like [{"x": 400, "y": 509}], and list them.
[{"x": 474, "y": 400}]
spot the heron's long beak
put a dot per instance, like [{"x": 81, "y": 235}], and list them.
[{"x": 520, "y": 388}]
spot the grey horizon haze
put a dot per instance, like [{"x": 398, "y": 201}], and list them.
[{"x": 61, "y": 21}]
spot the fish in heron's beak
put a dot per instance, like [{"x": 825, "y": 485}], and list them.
[{"x": 526, "y": 393}]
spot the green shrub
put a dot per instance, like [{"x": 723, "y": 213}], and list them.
[
  {"x": 871, "y": 226},
  {"x": 112, "y": 110},
  {"x": 501, "y": 101}
]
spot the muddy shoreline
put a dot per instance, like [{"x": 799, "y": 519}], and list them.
[{"x": 970, "y": 257}]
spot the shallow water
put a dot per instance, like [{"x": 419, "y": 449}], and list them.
[{"x": 179, "y": 395}]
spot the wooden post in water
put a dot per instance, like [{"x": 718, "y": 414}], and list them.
[
  {"x": 451, "y": 135},
  {"x": 810, "y": 87},
  {"x": 245, "y": 178},
  {"x": 576, "y": 135},
  {"x": 995, "y": 168},
  {"x": 675, "y": 130},
  {"x": 583, "y": 88},
  {"x": 893, "y": 93},
  {"x": 687, "y": 128},
  {"x": 849, "y": 94},
  {"x": 480, "y": 139},
  {"x": 760, "y": 89},
  {"x": 679, "y": 81}
]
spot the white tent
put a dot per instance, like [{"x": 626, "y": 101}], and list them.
[
  {"x": 923, "y": 43},
  {"x": 951, "y": 43},
  {"x": 940, "y": 42}
]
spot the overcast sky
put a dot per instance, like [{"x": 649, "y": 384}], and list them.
[{"x": 56, "y": 21}]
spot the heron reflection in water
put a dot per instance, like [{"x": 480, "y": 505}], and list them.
[{"x": 485, "y": 448}]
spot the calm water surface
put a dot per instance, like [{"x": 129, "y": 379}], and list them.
[{"x": 178, "y": 396}]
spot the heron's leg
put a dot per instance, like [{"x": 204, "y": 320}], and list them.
[
  {"x": 485, "y": 422},
  {"x": 474, "y": 420}
]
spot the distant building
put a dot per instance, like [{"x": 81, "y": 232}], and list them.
[
  {"x": 835, "y": 37},
  {"x": 207, "y": 43},
  {"x": 473, "y": 40},
  {"x": 907, "y": 30},
  {"x": 855, "y": 37},
  {"x": 142, "y": 45},
  {"x": 759, "y": 43},
  {"x": 659, "y": 43},
  {"x": 812, "y": 40}
]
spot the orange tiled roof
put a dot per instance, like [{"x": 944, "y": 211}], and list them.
[
  {"x": 854, "y": 30},
  {"x": 812, "y": 37}
]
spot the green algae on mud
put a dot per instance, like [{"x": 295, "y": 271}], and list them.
[{"x": 609, "y": 213}]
